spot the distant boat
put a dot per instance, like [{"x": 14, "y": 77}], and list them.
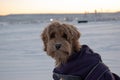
[{"x": 82, "y": 21}]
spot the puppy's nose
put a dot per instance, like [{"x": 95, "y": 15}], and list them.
[{"x": 58, "y": 46}]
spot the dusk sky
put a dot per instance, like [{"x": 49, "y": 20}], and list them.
[{"x": 57, "y": 6}]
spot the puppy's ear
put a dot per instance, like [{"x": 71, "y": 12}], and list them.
[
  {"x": 44, "y": 38},
  {"x": 75, "y": 33},
  {"x": 75, "y": 36}
]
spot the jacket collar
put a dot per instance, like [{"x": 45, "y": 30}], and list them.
[{"x": 79, "y": 63}]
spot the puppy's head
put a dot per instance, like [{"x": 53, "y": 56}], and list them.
[{"x": 60, "y": 41}]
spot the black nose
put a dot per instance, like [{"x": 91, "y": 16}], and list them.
[{"x": 58, "y": 46}]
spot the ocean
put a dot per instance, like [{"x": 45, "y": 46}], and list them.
[{"x": 21, "y": 48}]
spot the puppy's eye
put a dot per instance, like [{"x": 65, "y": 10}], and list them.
[
  {"x": 52, "y": 35},
  {"x": 64, "y": 36}
]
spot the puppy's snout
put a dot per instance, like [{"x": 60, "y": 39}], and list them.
[{"x": 58, "y": 46}]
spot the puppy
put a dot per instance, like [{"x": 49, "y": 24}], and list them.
[
  {"x": 60, "y": 41},
  {"x": 73, "y": 61}
]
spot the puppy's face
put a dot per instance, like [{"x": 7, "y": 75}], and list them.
[{"x": 60, "y": 41}]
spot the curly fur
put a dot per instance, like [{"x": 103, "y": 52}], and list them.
[{"x": 64, "y": 34}]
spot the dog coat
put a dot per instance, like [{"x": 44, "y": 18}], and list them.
[{"x": 84, "y": 65}]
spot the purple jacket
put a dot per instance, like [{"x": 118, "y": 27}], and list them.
[{"x": 84, "y": 65}]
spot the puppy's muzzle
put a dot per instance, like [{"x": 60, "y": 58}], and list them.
[{"x": 58, "y": 46}]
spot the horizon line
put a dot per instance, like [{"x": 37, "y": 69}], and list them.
[{"x": 56, "y": 13}]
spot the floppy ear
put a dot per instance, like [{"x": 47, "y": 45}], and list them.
[
  {"x": 44, "y": 38},
  {"x": 75, "y": 36},
  {"x": 75, "y": 33}
]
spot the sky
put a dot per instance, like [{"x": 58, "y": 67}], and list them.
[{"x": 57, "y": 6}]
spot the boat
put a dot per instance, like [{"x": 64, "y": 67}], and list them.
[{"x": 82, "y": 21}]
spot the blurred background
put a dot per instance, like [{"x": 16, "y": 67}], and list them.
[{"x": 22, "y": 22}]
